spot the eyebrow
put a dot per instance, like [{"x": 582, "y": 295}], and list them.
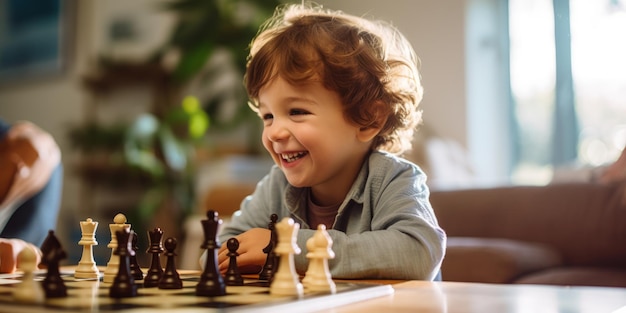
[{"x": 289, "y": 100}]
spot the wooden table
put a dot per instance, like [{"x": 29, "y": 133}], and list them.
[
  {"x": 452, "y": 297},
  {"x": 455, "y": 297}
]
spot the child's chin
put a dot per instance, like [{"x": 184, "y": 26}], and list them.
[{"x": 297, "y": 184}]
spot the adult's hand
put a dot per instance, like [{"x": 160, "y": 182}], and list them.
[{"x": 28, "y": 156}]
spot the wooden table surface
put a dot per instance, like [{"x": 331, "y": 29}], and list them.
[
  {"x": 453, "y": 297},
  {"x": 457, "y": 297}
]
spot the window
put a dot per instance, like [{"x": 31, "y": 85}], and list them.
[{"x": 595, "y": 121}]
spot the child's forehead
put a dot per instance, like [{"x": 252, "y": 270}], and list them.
[
  {"x": 280, "y": 86},
  {"x": 282, "y": 93}
]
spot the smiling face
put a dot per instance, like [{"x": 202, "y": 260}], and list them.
[{"x": 309, "y": 138}]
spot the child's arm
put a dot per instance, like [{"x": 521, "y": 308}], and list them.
[
  {"x": 249, "y": 226},
  {"x": 251, "y": 257}
]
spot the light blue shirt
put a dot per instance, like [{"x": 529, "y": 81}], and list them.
[{"x": 384, "y": 229}]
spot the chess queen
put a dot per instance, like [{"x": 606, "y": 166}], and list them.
[{"x": 87, "y": 266}]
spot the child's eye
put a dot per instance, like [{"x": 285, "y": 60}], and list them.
[
  {"x": 298, "y": 112},
  {"x": 267, "y": 116}
]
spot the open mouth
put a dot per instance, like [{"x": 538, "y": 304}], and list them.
[{"x": 290, "y": 157}]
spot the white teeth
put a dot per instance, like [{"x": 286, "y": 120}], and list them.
[{"x": 290, "y": 157}]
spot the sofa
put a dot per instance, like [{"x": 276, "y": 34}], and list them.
[{"x": 560, "y": 234}]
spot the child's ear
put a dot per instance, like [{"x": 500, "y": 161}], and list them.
[{"x": 367, "y": 133}]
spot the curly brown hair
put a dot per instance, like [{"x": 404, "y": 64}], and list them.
[{"x": 370, "y": 64}]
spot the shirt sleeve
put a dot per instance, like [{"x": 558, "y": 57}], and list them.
[{"x": 256, "y": 209}]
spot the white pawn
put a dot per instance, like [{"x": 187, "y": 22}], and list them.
[
  {"x": 87, "y": 266},
  {"x": 114, "y": 262},
  {"x": 286, "y": 281},
  {"x": 28, "y": 291},
  {"x": 317, "y": 277}
]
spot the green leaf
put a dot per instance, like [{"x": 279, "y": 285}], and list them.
[
  {"x": 151, "y": 202},
  {"x": 191, "y": 104},
  {"x": 174, "y": 151},
  {"x": 143, "y": 129},
  {"x": 198, "y": 125},
  {"x": 193, "y": 61}
]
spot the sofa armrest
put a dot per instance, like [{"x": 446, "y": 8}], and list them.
[
  {"x": 488, "y": 260},
  {"x": 583, "y": 221}
]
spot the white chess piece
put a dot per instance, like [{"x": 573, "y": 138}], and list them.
[
  {"x": 28, "y": 291},
  {"x": 114, "y": 262},
  {"x": 286, "y": 281},
  {"x": 87, "y": 266},
  {"x": 317, "y": 277}
]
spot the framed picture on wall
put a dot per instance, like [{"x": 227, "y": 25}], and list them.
[{"x": 34, "y": 38}]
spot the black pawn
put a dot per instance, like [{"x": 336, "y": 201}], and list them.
[
  {"x": 156, "y": 270},
  {"x": 170, "y": 278},
  {"x": 267, "y": 272},
  {"x": 52, "y": 254},
  {"x": 123, "y": 284},
  {"x": 233, "y": 277},
  {"x": 135, "y": 268},
  {"x": 211, "y": 281}
]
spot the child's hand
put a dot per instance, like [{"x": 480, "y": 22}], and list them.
[
  {"x": 251, "y": 257},
  {"x": 9, "y": 249}
]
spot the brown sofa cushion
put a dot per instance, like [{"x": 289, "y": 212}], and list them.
[
  {"x": 585, "y": 222},
  {"x": 577, "y": 276},
  {"x": 491, "y": 260}
]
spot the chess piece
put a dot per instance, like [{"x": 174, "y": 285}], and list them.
[
  {"x": 123, "y": 284},
  {"x": 286, "y": 280},
  {"x": 87, "y": 266},
  {"x": 271, "y": 259},
  {"x": 170, "y": 278},
  {"x": 53, "y": 253},
  {"x": 135, "y": 268},
  {"x": 233, "y": 277},
  {"x": 28, "y": 291},
  {"x": 211, "y": 281},
  {"x": 155, "y": 272},
  {"x": 119, "y": 223},
  {"x": 317, "y": 277}
]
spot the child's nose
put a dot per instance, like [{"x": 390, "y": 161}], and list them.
[{"x": 277, "y": 132}]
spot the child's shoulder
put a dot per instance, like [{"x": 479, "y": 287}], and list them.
[
  {"x": 384, "y": 164},
  {"x": 387, "y": 160}
]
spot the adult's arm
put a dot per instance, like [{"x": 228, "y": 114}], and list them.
[{"x": 28, "y": 157}]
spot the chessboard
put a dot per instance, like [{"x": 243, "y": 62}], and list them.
[{"x": 92, "y": 295}]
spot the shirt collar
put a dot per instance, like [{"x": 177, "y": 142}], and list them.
[{"x": 296, "y": 198}]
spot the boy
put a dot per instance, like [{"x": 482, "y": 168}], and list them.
[{"x": 338, "y": 97}]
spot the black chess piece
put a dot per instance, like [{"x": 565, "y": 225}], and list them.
[
  {"x": 269, "y": 268},
  {"x": 233, "y": 277},
  {"x": 52, "y": 254},
  {"x": 170, "y": 278},
  {"x": 211, "y": 281},
  {"x": 156, "y": 248},
  {"x": 135, "y": 268},
  {"x": 123, "y": 285}
]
